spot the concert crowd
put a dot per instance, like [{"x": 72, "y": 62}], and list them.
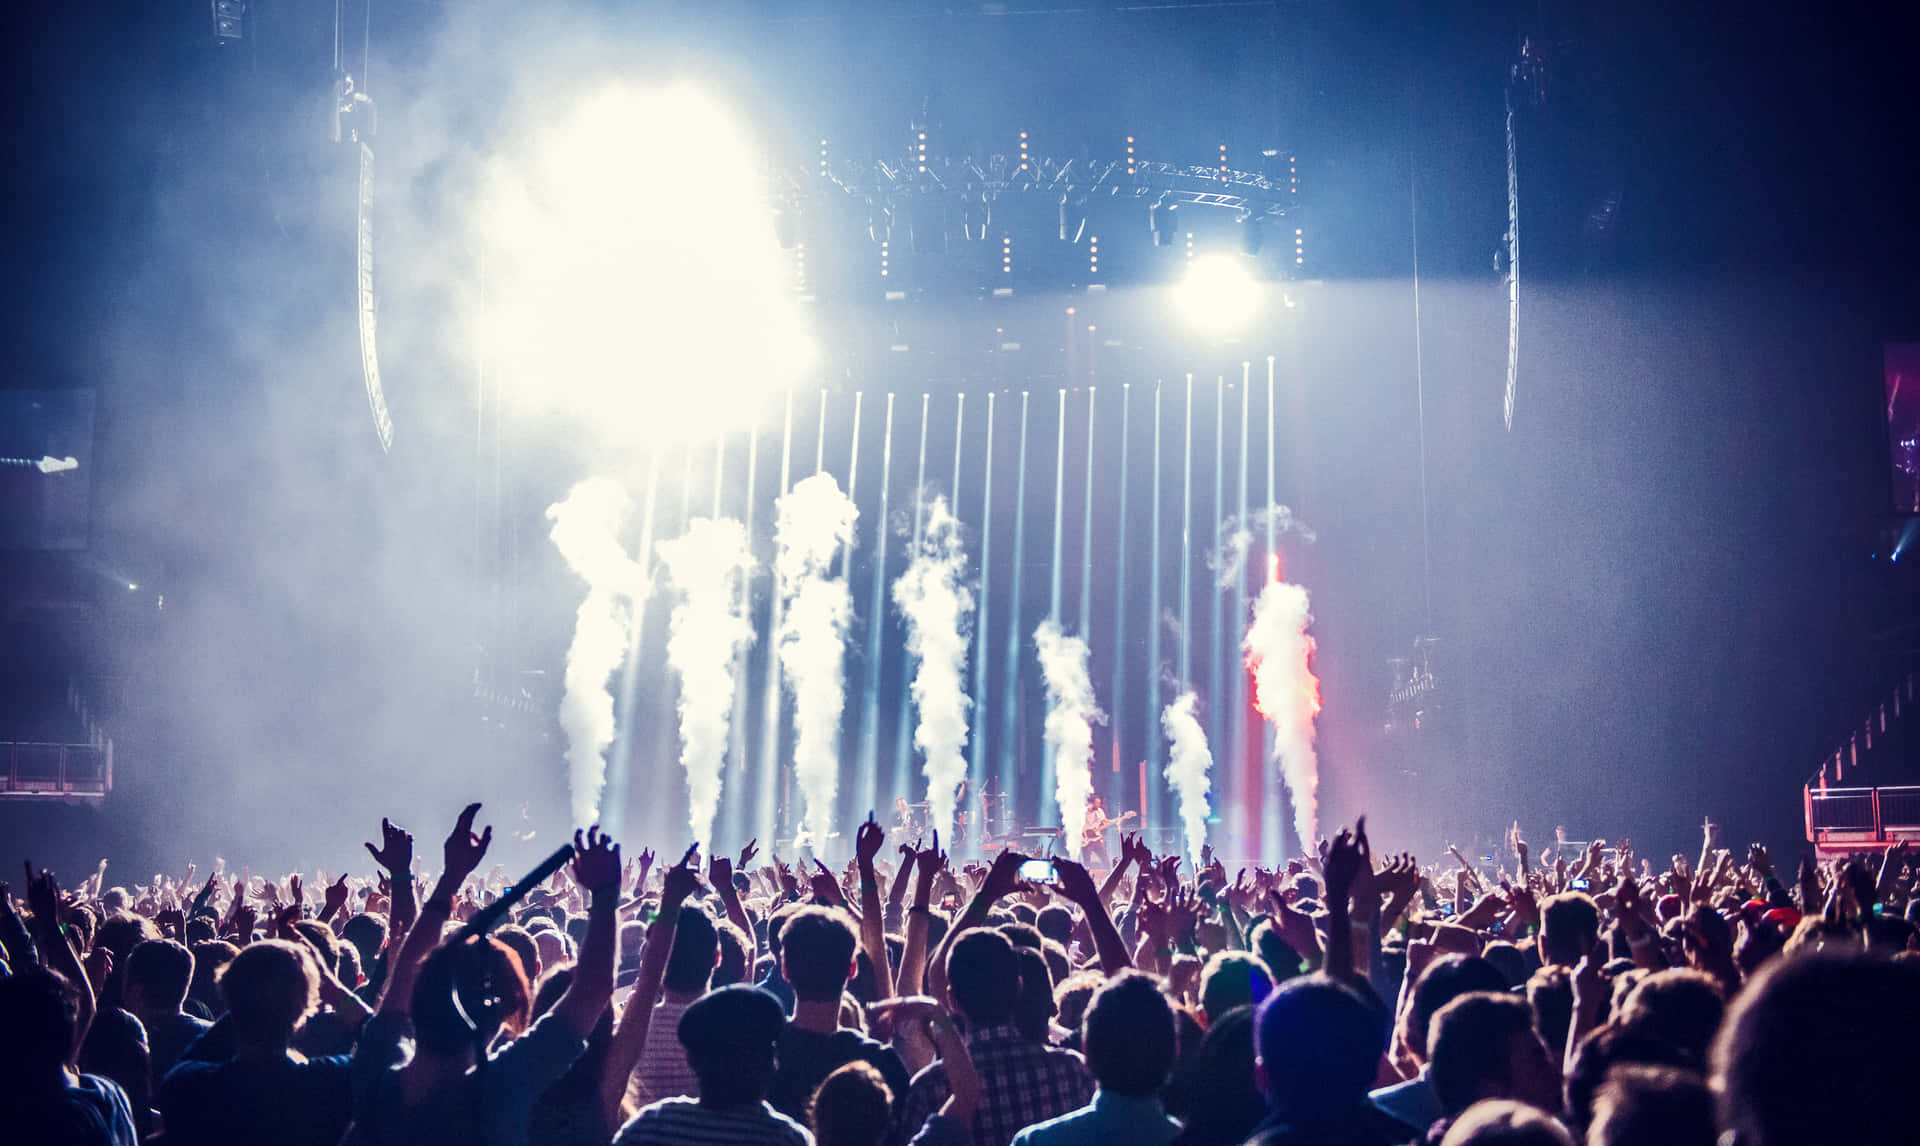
[{"x": 1581, "y": 993}]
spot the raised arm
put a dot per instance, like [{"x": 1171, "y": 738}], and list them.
[
  {"x": 56, "y": 954},
  {"x": 463, "y": 852},
  {"x": 1077, "y": 886},
  {"x": 596, "y": 867},
  {"x": 630, "y": 1034},
  {"x": 873, "y": 934},
  {"x": 913, "y": 955},
  {"x": 1001, "y": 879},
  {"x": 395, "y": 855},
  {"x": 1130, "y": 849}
]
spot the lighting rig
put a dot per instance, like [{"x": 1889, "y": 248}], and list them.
[{"x": 938, "y": 199}]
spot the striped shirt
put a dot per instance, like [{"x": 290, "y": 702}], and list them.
[
  {"x": 1021, "y": 1083},
  {"x": 684, "y": 1122},
  {"x": 662, "y": 1071}
]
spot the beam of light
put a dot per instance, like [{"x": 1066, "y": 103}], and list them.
[
  {"x": 1150, "y": 794},
  {"x": 1121, "y": 661},
  {"x": 1086, "y": 521},
  {"x": 1071, "y": 715},
  {"x": 932, "y": 597},
  {"x": 977, "y": 742},
  {"x": 959, "y": 424},
  {"x": 708, "y": 565},
  {"x": 586, "y": 531},
  {"x": 735, "y": 830},
  {"x": 1238, "y": 791},
  {"x": 870, "y": 701},
  {"x": 1010, "y": 686},
  {"x": 1279, "y": 654},
  {"x": 1218, "y": 293},
  {"x": 613, "y": 813},
  {"x": 902, "y": 754},
  {"x": 867, "y": 781},
  {"x": 563, "y": 223},
  {"x": 764, "y": 804},
  {"x": 1215, "y": 629},
  {"x": 814, "y": 520},
  {"x": 1271, "y": 846},
  {"x": 1189, "y": 763},
  {"x": 1186, "y": 542},
  {"x": 1053, "y": 589}
]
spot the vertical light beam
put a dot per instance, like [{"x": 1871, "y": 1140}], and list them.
[
  {"x": 1150, "y": 791},
  {"x": 1237, "y": 793},
  {"x": 876, "y": 613},
  {"x": 1117, "y": 699},
  {"x": 1271, "y": 846},
  {"x": 1010, "y": 685},
  {"x": 862, "y": 790},
  {"x": 764, "y": 803},
  {"x": 903, "y": 742},
  {"x": 977, "y": 738},
  {"x": 1049, "y": 809}
]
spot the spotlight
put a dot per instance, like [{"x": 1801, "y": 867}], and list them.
[
  {"x": 229, "y": 20},
  {"x": 1218, "y": 293}
]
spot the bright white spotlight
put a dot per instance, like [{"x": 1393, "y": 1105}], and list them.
[
  {"x": 633, "y": 275},
  {"x": 1219, "y": 293}
]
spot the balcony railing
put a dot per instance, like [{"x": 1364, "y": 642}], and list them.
[
  {"x": 37, "y": 770},
  {"x": 1843, "y": 820}
]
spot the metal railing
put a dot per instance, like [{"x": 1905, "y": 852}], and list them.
[
  {"x": 1844, "y": 819},
  {"x": 34, "y": 769}
]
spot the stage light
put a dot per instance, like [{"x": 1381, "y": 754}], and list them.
[
  {"x": 1218, "y": 293},
  {"x": 593, "y": 307},
  {"x": 229, "y": 20}
]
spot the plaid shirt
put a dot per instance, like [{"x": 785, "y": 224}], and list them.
[{"x": 1021, "y": 1083}]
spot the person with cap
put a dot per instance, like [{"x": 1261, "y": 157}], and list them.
[{"x": 731, "y": 1038}]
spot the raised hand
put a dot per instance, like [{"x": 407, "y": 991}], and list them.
[
  {"x": 720, "y": 874},
  {"x": 596, "y": 858},
  {"x": 1183, "y": 913},
  {"x": 868, "y": 841},
  {"x": 1342, "y": 863},
  {"x": 464, "y": 850},
  {"x": 1003, "y": 878},
  {"x": 336, "y": 896},
  {"x": 682, "y": 882},
  {"x": 1760, "y": 861},
  {"x": 395, "y": 852},
  {"x": 295, "y": 893},
  {"x": 1074, "y": 882},
  {"x": 826, "y": 889},
  {"x": 746, "y": 854},
  {"x": 43, "y": 895}
]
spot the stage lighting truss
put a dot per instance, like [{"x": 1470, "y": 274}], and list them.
[{"x": 1251, "y": 196}]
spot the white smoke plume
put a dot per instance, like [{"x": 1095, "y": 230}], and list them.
[
  {"x": 938, "y": 610},
  {"x": 586, "y": 531},
  {"x": 1189, "y": 763},
  {"x": 814, "y": 521},
  {"x": 709, "y": 566},
  {"x": 1237, "y": 534},
  {"x": 1279, "y": 653},
  {"x": 1071, "y": 715}
]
